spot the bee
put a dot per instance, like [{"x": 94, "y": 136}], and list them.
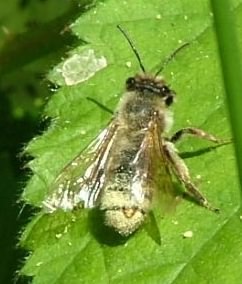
[{"x": 131, "y": 161}]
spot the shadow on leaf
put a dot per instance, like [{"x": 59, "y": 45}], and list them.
[{"x": 104, "y": 234}]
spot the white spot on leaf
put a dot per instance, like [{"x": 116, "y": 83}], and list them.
[
  {"x": 188, "y": 234},
  {"x": 81, "y": 67}
]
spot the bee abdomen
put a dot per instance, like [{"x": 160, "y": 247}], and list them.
[
  {"x": 122, "y": 211},
  {"x": 124, "y": 220}
]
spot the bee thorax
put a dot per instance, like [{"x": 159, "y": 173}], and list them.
[{"x": 124, "y": 220}]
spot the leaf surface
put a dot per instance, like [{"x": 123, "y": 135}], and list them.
[{"x": 74, "y": 247}]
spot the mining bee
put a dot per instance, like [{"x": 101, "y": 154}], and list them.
[{"x": 132, "y": 160}]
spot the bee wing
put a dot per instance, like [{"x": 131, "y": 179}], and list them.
[
  {"x": 152, "y": 177},
  {"x": 81, "y": 181}
]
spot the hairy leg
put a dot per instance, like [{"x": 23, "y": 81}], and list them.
[
  {"x": 181, "y": 171},
  {"x": 195, "y": 132}
]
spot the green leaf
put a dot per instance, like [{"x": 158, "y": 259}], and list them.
[{"x": 75, "y": 247}]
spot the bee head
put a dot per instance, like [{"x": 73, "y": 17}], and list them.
[{"x": 150, "y": 86}]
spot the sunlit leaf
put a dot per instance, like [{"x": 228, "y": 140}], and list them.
[{"x": 74, "y": 247}]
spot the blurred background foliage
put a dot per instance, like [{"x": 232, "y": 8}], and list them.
[{"x": 34, "y": 36}]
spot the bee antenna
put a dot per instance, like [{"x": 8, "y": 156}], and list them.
[
  {"x": 132, "y": 47},
  {"x": 170, "y": 57}
]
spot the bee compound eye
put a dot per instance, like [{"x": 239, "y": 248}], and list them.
[
  {"x": 169, "y": 100},
  {"x": 130, "y": 83}
]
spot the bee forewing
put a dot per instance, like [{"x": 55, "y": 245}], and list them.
[
  {"x": 155, "y": 171},
  {"x": 152, "y": 180},
  {"x": 81, "y": 181}
]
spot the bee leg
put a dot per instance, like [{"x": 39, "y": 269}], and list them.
[
  {"x": 195, "y": 132},
  {"x": 181, "y": 171}
]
